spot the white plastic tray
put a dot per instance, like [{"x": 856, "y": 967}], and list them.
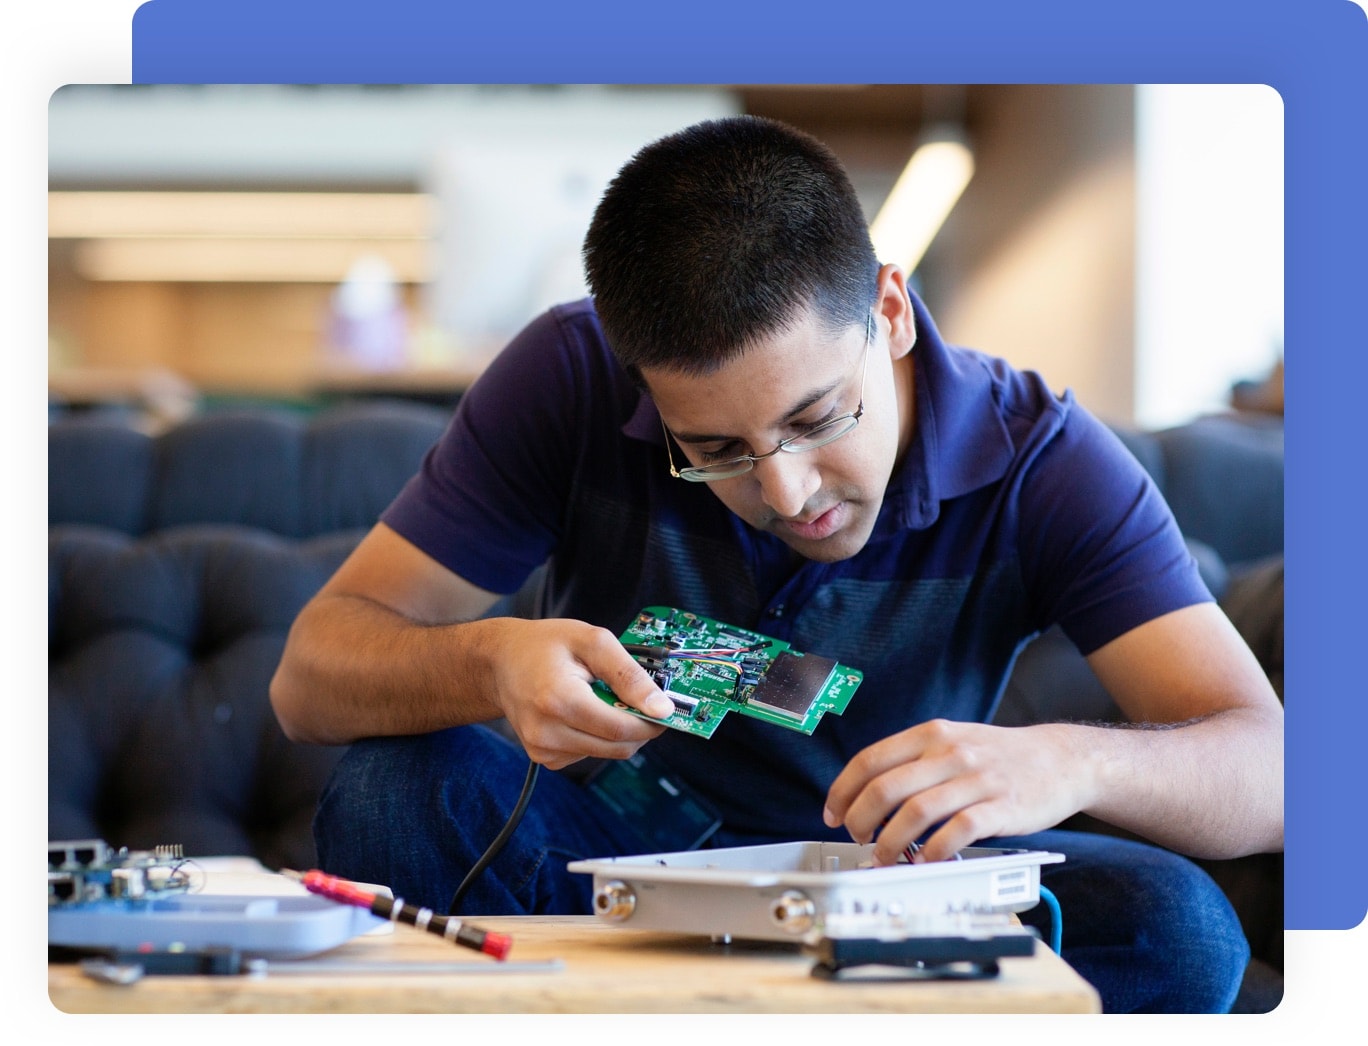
[{"x": 794, "y": 890}]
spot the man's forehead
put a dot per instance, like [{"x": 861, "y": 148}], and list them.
[{"x": 765, "y": 385}]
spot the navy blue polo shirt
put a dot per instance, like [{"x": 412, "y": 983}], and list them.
[{"x": 1013, "y": 509}]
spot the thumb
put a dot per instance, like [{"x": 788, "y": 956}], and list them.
[{"x": 630, "y": 683}]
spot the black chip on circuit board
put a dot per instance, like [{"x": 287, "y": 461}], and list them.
[{"x": 793, "y": 683}]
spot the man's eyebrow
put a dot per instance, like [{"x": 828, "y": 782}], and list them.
[{"x": 815, "y": 396}]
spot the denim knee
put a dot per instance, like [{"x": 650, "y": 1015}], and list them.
[
  {"x": 1191, "y": 949},
  {"x": 390, "y": 812},
  {"x": 1145, "y": 926},
  {"x": 418, "y": 813}
]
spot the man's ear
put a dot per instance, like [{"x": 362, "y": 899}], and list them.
[{"x": 895, "y": 308}]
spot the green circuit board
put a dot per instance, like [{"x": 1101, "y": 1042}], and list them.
[{"x": 708, "y": 668}]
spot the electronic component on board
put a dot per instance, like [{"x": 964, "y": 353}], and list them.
[
  {"x": 792, "y": 685},
  {"x": 87, "y": 871},
  {"x": 708, "y": 668}
]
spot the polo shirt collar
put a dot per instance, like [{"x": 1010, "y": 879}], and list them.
[{"x": 959, "y": 443}]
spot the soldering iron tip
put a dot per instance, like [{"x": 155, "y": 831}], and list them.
[{"x": 290, "y": 873}]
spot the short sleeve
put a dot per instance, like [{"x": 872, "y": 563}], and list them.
[
  {"x": 1099, "y": 547},
  {"x": 489, "y": 498}
]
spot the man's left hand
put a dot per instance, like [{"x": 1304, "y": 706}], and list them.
[{"x": 972, "y": 780}]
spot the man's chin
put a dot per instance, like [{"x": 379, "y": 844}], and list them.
[{"x": 823, "y": 551}]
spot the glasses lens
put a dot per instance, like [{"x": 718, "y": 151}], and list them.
[
  {"x": 822, "y": 434},
  {"x": 810, "y": 440},
  {"x": 720, "y": 470}
]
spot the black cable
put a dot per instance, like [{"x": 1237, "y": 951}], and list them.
[{"x": 499, "y": 841}]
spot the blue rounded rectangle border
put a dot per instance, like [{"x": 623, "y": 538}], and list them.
[{"x": 1313, "y": 52}]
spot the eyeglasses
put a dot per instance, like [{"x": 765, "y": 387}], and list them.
[{"x": 817, "y": 436}]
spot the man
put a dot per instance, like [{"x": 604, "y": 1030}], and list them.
[{"x": 864, "y": 492}]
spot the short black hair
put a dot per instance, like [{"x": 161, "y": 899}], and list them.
[{"x": 721, "y": 234}]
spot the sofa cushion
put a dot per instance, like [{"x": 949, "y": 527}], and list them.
[
  {"x": 356, "y": 457},
  {"x": 1224, "y": 482},
  {"x": 230, "y": 467},
  {"x": 99, "y": 472},
  {"x": 281, "y": 472},
  {"x": 161, "y": 652},
  {"x": 1254, "y": 603}
]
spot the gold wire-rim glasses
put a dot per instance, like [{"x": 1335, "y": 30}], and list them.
[{"x": 818, "y": 436}]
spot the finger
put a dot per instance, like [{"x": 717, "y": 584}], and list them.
[
  {"x": 572, "y": 708},
  {"x": 578, "y": 723},
  {"x": 869, "y": 764},
  {"x": 611, "y": 724},
  {"x": 971, "y": 825},
  {"x": 606, "y": 659},
  {"x": 852, "y": 782},
  {"x": 957, "y": 806},
  {"x": 902, "y": 803},
  {"x": 570, "y": 746},
  {"x": 885, "y": 795},
  {"x": 952, "y": 837}
]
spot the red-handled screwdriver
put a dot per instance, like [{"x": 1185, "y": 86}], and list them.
[{"x": 394, "y": 909}]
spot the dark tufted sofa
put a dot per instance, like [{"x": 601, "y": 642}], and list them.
[
  {"x": 176, "y": 566},
  {"x": 177, "y": 563}
]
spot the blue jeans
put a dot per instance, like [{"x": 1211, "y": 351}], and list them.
[{"x": 1147, "y": 928}]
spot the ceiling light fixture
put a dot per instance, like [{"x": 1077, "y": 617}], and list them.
[{"x": 922, "y": 197}]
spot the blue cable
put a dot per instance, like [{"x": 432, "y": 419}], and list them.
[{"x": 1056, "y": 919}]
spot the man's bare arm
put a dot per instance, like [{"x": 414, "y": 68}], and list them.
[
  {"x": 1201, "y": 768},
  {"x": 391, "y": 645}
]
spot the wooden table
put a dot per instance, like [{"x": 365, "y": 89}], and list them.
[{"x": 578, "y": 964}]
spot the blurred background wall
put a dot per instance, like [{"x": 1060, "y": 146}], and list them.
[{"x": 304, "y": 243}]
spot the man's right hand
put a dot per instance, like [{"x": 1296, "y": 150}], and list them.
[
  {"x": 394, "y": 643},
  {"x": 542, "y": 673}
]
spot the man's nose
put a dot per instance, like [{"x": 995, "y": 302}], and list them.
[{"x": 787, "y": 481}]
